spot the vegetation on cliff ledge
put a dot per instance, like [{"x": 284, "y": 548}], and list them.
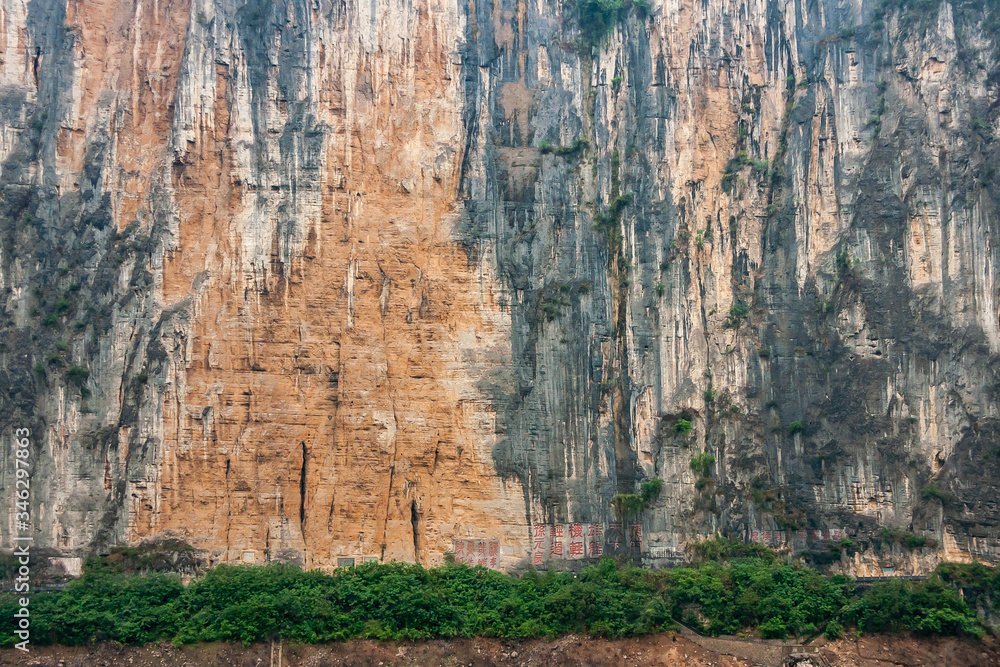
[
  {"x": 731, "y": 588},
  {"x": 598, "y": 17}
]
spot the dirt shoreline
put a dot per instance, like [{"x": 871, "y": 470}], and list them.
[{"x": 664, "y": 649}]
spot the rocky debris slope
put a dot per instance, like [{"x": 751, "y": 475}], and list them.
[{"x": 655, "y": 650}]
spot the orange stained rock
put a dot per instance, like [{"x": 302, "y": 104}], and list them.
[{"x": 322, "y": 398}]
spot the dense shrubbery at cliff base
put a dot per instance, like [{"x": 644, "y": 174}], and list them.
[{"x": 735, "y": 589}]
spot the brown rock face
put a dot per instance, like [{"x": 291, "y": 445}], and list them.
[
  {"x": 323, "y": 281},
  {"x": 324, "y": 401},
  {"x": 310, "y": 380}
]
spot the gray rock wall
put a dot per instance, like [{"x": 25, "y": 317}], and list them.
[{"x": 320, "y": 280}]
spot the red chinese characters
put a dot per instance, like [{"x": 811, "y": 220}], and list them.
[
  {"x": 615, "y": 538},
  {"x": 539, "y": 544},
  {"x": 576, "y": 547},
  {"x": 482, "y": 553},
  {"x": 571, "y": 540},
  {"x": 637, "y": 536},
  {"x": 462, "y": 551},
  {"x": 595, "y": 542},
  {"x": 577, "y": 541}
]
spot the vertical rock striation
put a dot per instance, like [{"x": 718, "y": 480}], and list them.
[{"x": 317, "y": 281}]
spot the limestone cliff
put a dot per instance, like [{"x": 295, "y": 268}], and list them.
[{"x": 326, "y": 280}]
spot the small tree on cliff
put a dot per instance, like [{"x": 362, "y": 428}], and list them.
[{"x": 629, "y": 506}]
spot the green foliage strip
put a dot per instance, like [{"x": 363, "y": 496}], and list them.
[{"x": 735, "y": 587}]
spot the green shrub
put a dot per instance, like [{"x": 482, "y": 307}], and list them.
[
  {"x": 796, "y": 427},
  {"x": 844, "y": 262},
  {"x": 834, "y": 630},
  {"x": 733, "y": 587},
  {"x": 77, "y": 375},
  {"x": 928, "y": 607},
  {"x": 718, "y": 549},
  {"x": 597, "y": 17},
  {"x": 774, "y": 628},
  {"x": 980, "y": 584},
  {"x": 933, "y": 491},
  {"x": 546, "y": 146},
  {"x": 628, "y": 504},
  {"x": 890, "y": 534},
  {"x": 651, "y": 489},
  {"x": 619, "y": 203},
  {"x": 574, "y": 148},
  {"x": 682, "y": 426},
  {"x": 702, "y": 463},
  {"x": 737, "y": 313}
]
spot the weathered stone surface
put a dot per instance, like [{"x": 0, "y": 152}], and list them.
[{"x": 372, "y": 280}]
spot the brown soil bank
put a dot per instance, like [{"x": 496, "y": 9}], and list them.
[{"x": 664, "y": 649}]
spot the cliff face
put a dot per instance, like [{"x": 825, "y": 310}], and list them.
[{"x": 316, "y": 281}]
